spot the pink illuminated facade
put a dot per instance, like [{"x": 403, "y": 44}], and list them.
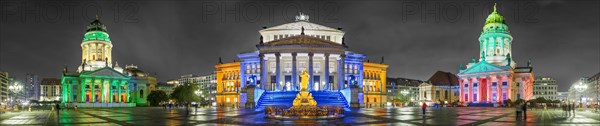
[{"x": 495, "y": 77}]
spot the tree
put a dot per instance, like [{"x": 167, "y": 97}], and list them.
[
  {"x": 185, "y": 94},
  {"x": 157, "y": 96}
]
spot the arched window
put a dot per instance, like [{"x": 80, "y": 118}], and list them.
[{"x": 141, "y": 93}]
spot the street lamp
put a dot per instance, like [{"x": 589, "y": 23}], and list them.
[{"x": 580, "y": 88}]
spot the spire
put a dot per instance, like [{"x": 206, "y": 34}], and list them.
[
  {"x": 495, "y": 7},
  {"x": 302, "y": 33}
]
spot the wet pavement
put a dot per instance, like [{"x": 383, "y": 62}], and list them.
[{"x": 213, "y": 116}]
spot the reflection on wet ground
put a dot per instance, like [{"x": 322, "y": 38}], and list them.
[{"x": 210, "y": 116}]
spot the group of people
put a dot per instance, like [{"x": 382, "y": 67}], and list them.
[
  {"x": 568, "y": 108},
  {"x": 521, "y": 111}
]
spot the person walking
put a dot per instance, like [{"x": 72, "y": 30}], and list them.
[
  {"x": 518, "y": 110},
  {"x": 424, "y": 107},
  {"x": 525, "y": 111}
]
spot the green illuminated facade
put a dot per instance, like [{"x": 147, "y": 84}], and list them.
[{"x": 97, "y": 80}]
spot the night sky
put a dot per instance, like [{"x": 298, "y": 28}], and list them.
[{"x": 417, "y": 38}]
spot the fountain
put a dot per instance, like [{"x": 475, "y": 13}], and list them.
[{"x": 304, "y": 106}]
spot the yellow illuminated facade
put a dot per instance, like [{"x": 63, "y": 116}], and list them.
[
  {"x": 374, "y": 84},
  {"x": 228, "y": 84}
]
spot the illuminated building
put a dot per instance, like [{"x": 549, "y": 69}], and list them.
[
  {"x": 32, "y": 87},
  {"x": 545, "y": 87},
  {"x": 97, "y": 82},
  {"x": 442, "y": 88},
  {"x": 50, "y": 89},
  {"x": 270, "y": 75},
  {"x": 495, "y": 77},
  {"x": 4, "y": 82},
  {"x": 402, "y": 89}
]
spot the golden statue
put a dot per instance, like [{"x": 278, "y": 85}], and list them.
[{"x": 304, "y": 98}]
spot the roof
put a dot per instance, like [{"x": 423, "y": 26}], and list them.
[
  {"x": 299, "y": 24},
  {"x": 441, "y": 78},
  {"x": 523, "y": 69},
  {"x": 405, "y": 81},
  {"x": 301, "y": 40},
  {"x": 484, "y": 66},
  {"x": 50, "y": 81}
]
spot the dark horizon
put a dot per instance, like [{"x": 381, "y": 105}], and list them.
[{"x": 562, "y": 38}]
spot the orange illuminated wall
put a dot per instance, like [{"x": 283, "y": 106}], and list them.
[
  {"x": 374, "y": 84},
  {"x": 228, "y": 84}
]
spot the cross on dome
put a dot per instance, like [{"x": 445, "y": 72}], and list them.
[{"x": 302, "y": 17}]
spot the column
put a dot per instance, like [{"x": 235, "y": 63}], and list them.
[
  {"x": 119, "y": 90},
  {"x": 310, "y": 71},
  {"x": 294, "y": 72},
  {"x": 82, "y": 86},
  {"x": 326, "y": 73},
  {"x": 110, "y": 90},
  {"x": 263, "y": 70},
  {"x": 93, "y": 98},
  {"x": 102, "y": 91},
  {"x": 341, "y": 70},
  {"x": 278, "y": 71}
]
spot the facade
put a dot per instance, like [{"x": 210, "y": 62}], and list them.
[
  {"x": 283, "y": 52},
  {"x": 585, "y": 91},
  {"x": 495, "y": 77},
  {"x": 402, "y": 89},
  {"x": 50, "y": 89},
  {"x": 4, "y": 83},
  {"x": 545, "y": 87},
  {"x": 442, "y": 88},
  {"x": 32, "y": 87},
  {"x": 562, "y": 96},
  {"x": 97, "y": 80},
  {"x": 167, "y": 88},
  {"x": 205, "y": 82}
]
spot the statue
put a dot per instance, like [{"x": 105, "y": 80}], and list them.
[{"x": 304, "y": 98}]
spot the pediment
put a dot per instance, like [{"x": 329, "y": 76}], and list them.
[
  {"x": 484, "y": 66},
  {"x": 106, "y": 72}
]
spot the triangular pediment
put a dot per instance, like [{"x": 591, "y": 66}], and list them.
[
  {"x": 105, "y": 72},
  {"x": 484, "y": 66}
]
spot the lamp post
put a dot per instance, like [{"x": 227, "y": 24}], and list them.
[
  {"x": 581, "y": 87},
  {"x": 15, "y": 89}
]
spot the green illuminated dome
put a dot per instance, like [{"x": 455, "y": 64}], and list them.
[
  {"x": 495, "y": 23},
  {"x": 96, "y": 30},
  {"x": 494, "y": 17}
]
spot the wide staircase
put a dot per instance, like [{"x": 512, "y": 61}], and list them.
[{"x": 323, "y": 98}]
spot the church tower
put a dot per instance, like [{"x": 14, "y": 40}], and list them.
[
  {"x": 495, "y": 41},
  {"x": 96, "y": 47}
]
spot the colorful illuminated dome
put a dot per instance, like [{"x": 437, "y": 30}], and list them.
[
  {"x": 495, "y": 23},
  {"x": 96, "y": 30},
  {"x": 495, "y": 41}
]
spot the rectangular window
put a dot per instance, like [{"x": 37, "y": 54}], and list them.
[
  {"x": 494, "y": 84},
  {"x": 504, "y": 84},
  {"x": 474, "y": 97},
  {"x": 475, "y": 85}
]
